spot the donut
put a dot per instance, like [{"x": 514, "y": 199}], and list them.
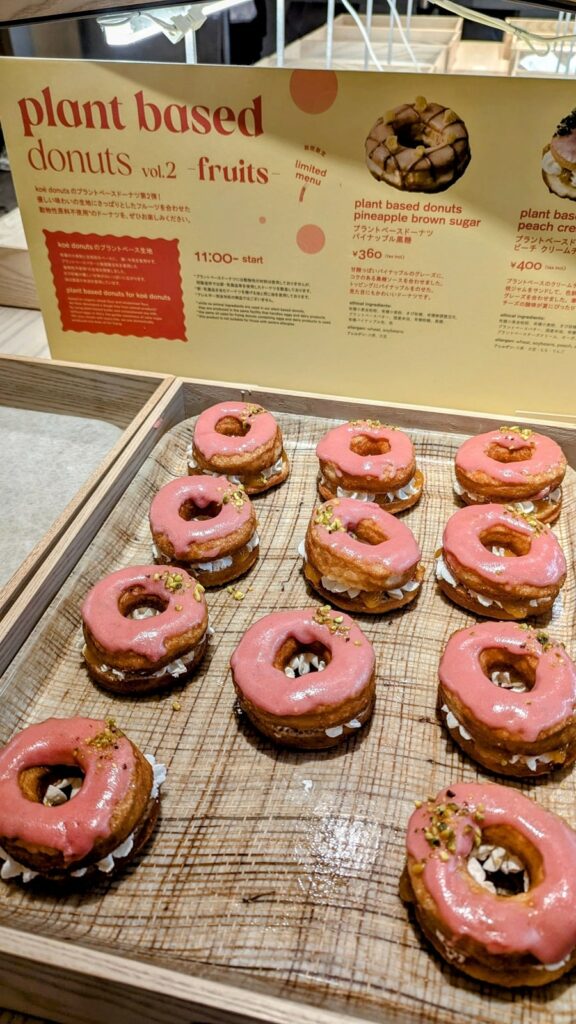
[
  {"x": 124, "y": 652},
  {"x": 206, "y": 525},
  {"x": 334, "y": 700},
  {"x": 492, "y": 878},
  {"x": 559, "y": 159},
  {"x": 77, "y": 797},
  {"x": 369, "y": 461},
  {"x": 507, "y": 695},
  {"x": 361, "y": 558},
  {"x": 241, "y": 441},
  {"x": 512, "y": 465},
  {"x": 500, "y": 563},
  {"x": 418, "y": 147}
]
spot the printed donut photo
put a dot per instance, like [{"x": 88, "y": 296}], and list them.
[
  {"x": 418, "y": 147},
  {"x": 559, "y": 159}
]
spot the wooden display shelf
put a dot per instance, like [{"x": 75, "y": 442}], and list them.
[
  {"x": 269, "y": 891},
  {"x": 124, "y": 398},
  {"x": 17, "y": 287}
]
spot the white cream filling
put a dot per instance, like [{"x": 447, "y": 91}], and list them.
[
  {"x": 175, "y": 668},
  {"x": 12, "y": 868},
  {"x": 525, "y": 506},
  {"x": 216, "y": 565},
  {"x": 453, "y": 723},
  {"x": 397, "y": 593},
  {"x": 253, "y": 542},
  {"x": 449, "y": 952},
  {"x": 302, "y": 664},
  {"x": 407, "y": 491},
  {"x": 443, "y": 573},
  {"x": 62, "y": 791},
  {"x": 271, "y": 471},
  {"x": 337, "y": 730},
  {"x": 503, "y": 679},
  {"x": 550, "y": 165},
  {"x": 489, "y": 858},
  {"x": 209, "y": 472},
  {"x": 531, "y": 762}
]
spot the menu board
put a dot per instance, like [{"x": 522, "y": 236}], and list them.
[{"x": 395, "y": 236}]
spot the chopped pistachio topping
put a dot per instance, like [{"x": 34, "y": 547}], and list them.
[
  {"x": 198, "y": 591},
  {"x": 324, "y": 516},
  {"x": 173, "y": 581},
  {"x": 334, "y": 623},
  {"x": 178, "y": 607},
  {"x": 237, "y": 497},
  {"x": 176, "y": 705},
  {"x": 254, "y": 410},
  {"x": 532, "y": 521},
  {"x": 108, "y": 737},
  {"x": 524, "y": 432},
  {"x": 237, "y": 595},
  {"x": 418, "y": 867}
]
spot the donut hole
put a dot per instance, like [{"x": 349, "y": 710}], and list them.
[
  {"x": 137, "y": 604},
  {"x": 417, "y": 134},
  {"x": 505, "y": 543},
  {"x": 189, "y": 510},
  {"x": 505, "y": 862},
  {"x": 363, "y": 445},
  {"x": 296, "y": 659},
  {"x": 51, "y": 786},
  {"x": 231, "y": 426},
  {"x": 500, "y": 453},
  {"x": 511, "y": 672},
  {"x": 367, "y": 531}
]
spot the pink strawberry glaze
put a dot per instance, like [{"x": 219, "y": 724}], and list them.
[
  {"x": 541, "y": 921},
  {"x": 209, "y": 442},
  {"x": 349, "y": 671},
  {"x": 551, "y": 700},
  {"x": 398, "y": 554},
  {"x": 203, "y": 491},
  {"x": 75, "y": 827},
  {"x": 335, "y": 448},
  {"x": 543, "y": 566},
  {"x": 546, "y": 457},
  {"x": 145, "y": 637}
]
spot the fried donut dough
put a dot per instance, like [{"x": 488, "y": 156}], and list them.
[
  {"x": 242, "y": 441},
  {"x": 507, "y": 696},
  {"x": 500, "y": 563},
  {"x": 418, "y": 147},
  {"x": 369, "y": 461},
  {"x": 305, "y": 678},
  {"x": 492, "y": 877},
  {"x": 559, "y": 159},
  {"x": 145, "y": 628},
  {"x": 207, "y": 525},
  {"x": 512, "y": 465},
  {"x": 361, "y": 558},
  {"x": 77, "y": 797}
]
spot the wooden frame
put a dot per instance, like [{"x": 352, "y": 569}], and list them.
[
  {"x": 74, "y": 983},
  {"x": 123, "y": 397}
]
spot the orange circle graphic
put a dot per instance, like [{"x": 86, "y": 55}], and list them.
[
  {"x": 313, "y": 92},
  {"x": 310, "y": 239}
]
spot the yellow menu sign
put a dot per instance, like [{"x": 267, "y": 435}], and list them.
[{"x": 322, "y": 231}]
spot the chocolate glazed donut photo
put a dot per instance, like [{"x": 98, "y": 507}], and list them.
[{"x": 418, "y": 147}]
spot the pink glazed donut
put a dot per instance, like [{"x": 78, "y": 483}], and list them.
[
  {"x": 242, "y": 441},
  {"x": 507, "y": 695},
  {"x": 206, "y": 524},
  {"x": 333, "y": 701},
  {"x": 128, "y": 653},
  {"x": 500, "y": 563},
  {"x": 512, "y": 464},
  {"x": 492, "y": 876},
  {"x": 369, "y": 461},
  {"x": 43, "y": 831},
  {"x": 360, "y": 557}
]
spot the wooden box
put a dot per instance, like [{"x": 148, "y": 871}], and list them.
[{"x": 269, "y": 891}]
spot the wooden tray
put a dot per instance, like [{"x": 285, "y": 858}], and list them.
[
  {"x": 124, "y": 398},
  {"x": 269, "y": 891}
]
